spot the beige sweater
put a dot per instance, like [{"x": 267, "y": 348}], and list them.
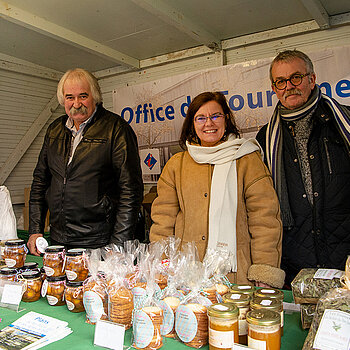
[{"x": 182, "y": 208}]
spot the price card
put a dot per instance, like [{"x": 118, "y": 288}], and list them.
[
  {"x": 109, "y": 335},
  {"x": 11, "y": 294}
]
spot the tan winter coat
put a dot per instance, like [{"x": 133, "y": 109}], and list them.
[{"x": 182, "y": 208}]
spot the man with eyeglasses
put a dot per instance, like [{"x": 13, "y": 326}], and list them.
[{"x": 307, "y": 149}]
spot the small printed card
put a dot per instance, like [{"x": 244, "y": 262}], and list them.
[{"x": 109, "y": 335}]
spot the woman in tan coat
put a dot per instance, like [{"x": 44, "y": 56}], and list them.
[{"x": 219, "y": 194}]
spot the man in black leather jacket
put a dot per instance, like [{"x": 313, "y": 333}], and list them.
[
  {"x": 306, "y": 147},
  {"x": 88, "y": 173}
]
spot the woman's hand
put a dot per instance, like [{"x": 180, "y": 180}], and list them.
[{"x": 261, "y": 284}]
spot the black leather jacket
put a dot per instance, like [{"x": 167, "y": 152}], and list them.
[
  {"x": 320, "y": 236},
  {"x": 95, "y": 199}
]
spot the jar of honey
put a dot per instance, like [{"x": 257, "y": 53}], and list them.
[
  {"x": 15, "y": 253},
  {"x": 53, "y": 261},
  {"x": 268, "y": 304},
  {"x": 76, "y": 268},
  {"x": 243, "y": 289},
  {"x": 8, "y": 274},
  {"x": 242, "y": 302},
  {"x": 223, "y": 326},
  {"x": 264, "y": 330},
  {"x": 32, "y": 285},
  {"x": 74, "y": 296},
  {"x": 269, "y": 293},
  {"x": 55, "y": 286}
]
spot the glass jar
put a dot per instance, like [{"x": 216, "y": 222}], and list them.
[
  {"x": 242, "y": 302},
  {"x": 28, "y": 266},
  {"x": 269, "y": 293},
  {"x": 268, "y": 304},
  {"x": 74, "y": 296},
  {"x": 32, "y": 285},
  {"x": 223, "y": 326},
  {"x": 243, "y": 288},
  {"x": 55, "y": 286},
  {"x": 8, "y": 274},
  {"x": 53, "y": 261},
  {"x": 15, "y": 253},
  {"x": 264, "y": 330},
  {"x": 76, "y": 269}
]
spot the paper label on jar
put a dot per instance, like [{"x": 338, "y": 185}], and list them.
[
  {"x": 10, "y": 262},
  {"x": 334, "y": 331},
  {"x": 221, "y": 339},
  {"x": 143, "y": 329},
  {"x": 168, "y": 318},
  {"x": 49, "y": 270},
  {"x": 70, "y": 305},
  {"x": 256, "y": 344},
  {"x": 328, "y": 274},
  {"x": 186, "y": 324},
  {"x": 93, "y": 306},
  {"x": 52, "y": 300},
  {"x": 282, "y": 318},
  {"x": 44, "y": 288},
  {"x": 71, "y": 275}
]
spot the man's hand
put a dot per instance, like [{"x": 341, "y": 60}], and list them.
[{"x": 31, "y": 244}]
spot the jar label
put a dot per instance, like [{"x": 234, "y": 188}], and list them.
[
  {"x": 49, "y": 270},
  {"x": 93, "y": 306},
  {"x": 242, "y": 323},
  {"x": 328, "y": 274},
  {"x": 186, "y": 324},
  {"x": 143, "y": 329},
  {"x": 334, "y": 331},
  {"x": 44, "y": 288},
  {"x": 268, "y": 291},
  {"x": 256, "y": 344},
  {"x": 282, "y": 318},
  {"x": 71, "y": 275},
  {"x": 10, "y": 262},
  {"x": 70, "y": 305},
  {"x": 168, "y": 318},
  {"x": 52, "y": 300},
  {"x": 220, "y": 339}
]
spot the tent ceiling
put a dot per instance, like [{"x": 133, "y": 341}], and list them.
[{"x": 102, "y": 34}]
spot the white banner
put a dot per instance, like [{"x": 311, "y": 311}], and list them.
[{"x": 156, "y": 109}]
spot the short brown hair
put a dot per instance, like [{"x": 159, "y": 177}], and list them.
[
  {"x": 188, "y": 132},
  {"x": 80, "y": 74},
  {"x": 289, "y": 55}
]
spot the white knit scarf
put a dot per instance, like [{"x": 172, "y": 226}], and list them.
[{"x": 223, "y": 193}]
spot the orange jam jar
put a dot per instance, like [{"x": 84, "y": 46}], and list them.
[
  {"x": 242, "y": 301},
  {"x": 264, "y": 330},
  {"x": 268, "y": 304},
  {"x": 55, "y": 290},
  {"x": 223, "y": 326},
  {"x": 53, "y": 261},
  {"x": 15, "y": 253},
  {"x": 75, "y": 266},
  {"x": 32, "y": 285},
  {"x": 74, "y": 296},
  {"x": 8, "y": 274},
  {"x": 243, "y": 289}
]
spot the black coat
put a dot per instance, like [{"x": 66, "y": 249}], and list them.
[
  {"x": 95, "y": 199},
  {"x": 320, "y": 236}
]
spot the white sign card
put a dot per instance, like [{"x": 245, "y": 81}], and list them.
[{"x": 109, "y": 335}]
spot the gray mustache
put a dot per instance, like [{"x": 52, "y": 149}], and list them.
[
  {"x": 292, "y": 92},
  {"x": 81, "y": 110}
]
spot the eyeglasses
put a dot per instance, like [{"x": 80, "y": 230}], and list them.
[
  {"x": 215, "y": 118},
  {"x": 295, "y": 79}
]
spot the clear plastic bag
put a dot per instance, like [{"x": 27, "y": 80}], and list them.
[{"x": 7, "y": 216}]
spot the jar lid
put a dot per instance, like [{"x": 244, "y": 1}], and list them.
[
  {"x": 242, "y": 288},
  {"x": 8, "y": 271},
  {"x": 223, "y": 310},
  {"x": 239, "y": 299},
  {"x": 74, "y": 284},
  {"x": 54, "y": 249},
  {"x": 29, "y": 275},
  {"x": 30, "y": 265},
  {"x": 75, "y": 252},
  {"x": 269, "y": 293},
  {"x": 55, "y": 278},
  {"x": 262, "y": 317},
  {"x": 15, "y": 242},
  {"x": 266, "y": 303}
]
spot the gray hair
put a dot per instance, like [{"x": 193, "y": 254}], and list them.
[
  {"x": 80, "y": 74},
  {"x": 289, "y": 55}
]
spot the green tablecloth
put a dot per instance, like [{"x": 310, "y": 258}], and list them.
[{"x": 83, "y": 333}]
